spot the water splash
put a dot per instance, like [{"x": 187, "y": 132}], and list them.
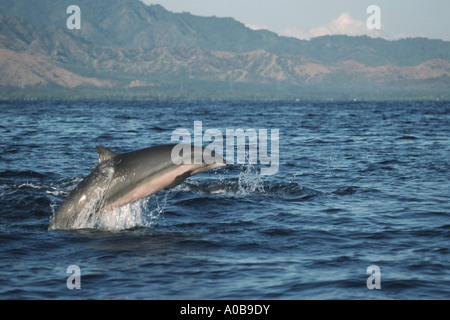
[
  {"x": 249, "y": 181},
  {"x": 141, "y": 213},
  {"x": 138, "y": 214},
  {"x": 130, "y": 216},
  {"x": 245, "y": 180}
]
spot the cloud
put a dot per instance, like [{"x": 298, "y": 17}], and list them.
[
  {"x": 295, "y": 32},
  {"x": 256, "y": 27},
  {"x": 345, "y": 24}
]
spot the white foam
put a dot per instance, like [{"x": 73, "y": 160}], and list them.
[
  {"x": 139, "y": 214},
  {"x": 250, "y": 181}
]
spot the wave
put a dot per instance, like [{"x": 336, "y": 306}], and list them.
[
  {"x": 407, "y": 138},
  {"x": 22, "y": 192},
  {"x": 254, "y": 189},
  {"x": 22, "y": 174},
  {"x": 139, "y": 214}
]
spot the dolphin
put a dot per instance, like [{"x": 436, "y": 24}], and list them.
[{"x": 120, "y": 179}]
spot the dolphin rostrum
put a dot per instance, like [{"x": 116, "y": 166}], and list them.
[{"x": 120, "y": 179}]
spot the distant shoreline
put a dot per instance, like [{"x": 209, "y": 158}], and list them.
[{"x": 9, "y": 94}]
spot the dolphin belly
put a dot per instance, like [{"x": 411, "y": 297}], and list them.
[{"x": 149, "y": 186}]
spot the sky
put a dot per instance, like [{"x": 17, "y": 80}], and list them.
[{"x": 305, "y": 19}]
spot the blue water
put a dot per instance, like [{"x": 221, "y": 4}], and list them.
[{"x": 359, "y": 184}]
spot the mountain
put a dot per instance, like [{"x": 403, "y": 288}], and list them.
[{"x": 126, "y": 48}]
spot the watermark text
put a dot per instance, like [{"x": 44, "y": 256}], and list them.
[
  {"x": 374, "y": 281},
  {"x": 374, "y": 21},
  {"x": 74, "y": 280},
  {"x": 235, "y": 141},
  {"x": 74, "y": 21}
]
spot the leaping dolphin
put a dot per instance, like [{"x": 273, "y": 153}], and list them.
[{"x": 120, "y": 179}]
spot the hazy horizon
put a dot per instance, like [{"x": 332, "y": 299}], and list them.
[{"x": 305, "y": 20}]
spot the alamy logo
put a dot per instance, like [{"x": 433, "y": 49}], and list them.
[
  {"x": 74, "y": 280},
  {"x": 374, "y": 281},
  {"x": 374, "y": 21},
  {"x": 74, "y": 21},
  {"x": 256, "y": 152}
]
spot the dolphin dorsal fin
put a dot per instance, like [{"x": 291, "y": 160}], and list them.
[{"x": 104, "y": 154}]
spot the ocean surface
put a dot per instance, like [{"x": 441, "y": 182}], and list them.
[{"x": 359, "y": 184}]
